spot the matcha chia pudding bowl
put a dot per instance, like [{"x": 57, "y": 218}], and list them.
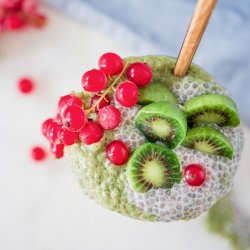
[
  {"x": 153, "y": 137},
  {"x": 146, "y": 143}
]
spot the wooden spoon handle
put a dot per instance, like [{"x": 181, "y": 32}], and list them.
[{"x": 198, "y": 24}]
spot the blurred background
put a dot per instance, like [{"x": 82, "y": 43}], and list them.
[{"x": 41, "y": 205}]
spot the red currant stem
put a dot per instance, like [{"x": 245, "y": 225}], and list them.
[
  {"x": 106, "y": 99},
  {"x": 113, "y": 89},
  {"x": 111, "y": 86}
]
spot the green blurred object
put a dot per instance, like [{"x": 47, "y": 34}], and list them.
[{"x": 228, "y": 221}]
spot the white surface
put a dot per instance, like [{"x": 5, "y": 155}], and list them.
[{"x": 41, "y": 206}]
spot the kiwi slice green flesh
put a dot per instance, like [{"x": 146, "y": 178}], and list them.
[
  {"x": 155, "y": 92},
  {"x": 209, "y": 140},
  {"x": 212, "y": 108},
  {"x": 153, "y": 166},
  {"x": 162, "y": 121}
]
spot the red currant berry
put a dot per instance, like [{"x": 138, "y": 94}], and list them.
[
  {"x": 45, "y": 126},
  {"x": 74, "y": 118},
  {"x": 68, "y": 100},
  {"x": 29, "y": 6},
  {"x": 52, "y": 130},
  {"x": 11, "y": 5},
  {"x": 127, "y": 94},
  {"x": 117, "y": 152},
  {"x": 67, "y": 137},
  {"x": 109, "y": 117},
  {"x": 91, "y": 133},
  {"x": 94, "y": 81},
  {"x": 26, "y": 85},
  {"x": 194, "y": 175},
  {"x": 57, "y": 149},
  {"x": 139, "y": 73},
  {"x": 103, "y": 103},
  {"x": 13, "y": 22},
  {"x": 111, "y": 64},
  {"x": 38, "y": 153}
]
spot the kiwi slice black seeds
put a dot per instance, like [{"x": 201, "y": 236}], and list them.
[
  {"x": 158, "y": 128},
  {"x": 162, "y": 121},
  {"x": 212, "y": 108},
  {"x": 209, "y": 140},
  {"x": 210, "y": 115},
  {"x": 153, "y": 166}
]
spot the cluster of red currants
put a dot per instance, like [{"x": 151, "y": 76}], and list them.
[
  {"x": 16, "y": 14},
  {"x": 138, "y": 75},
  {"x": 72, "y": 123}
]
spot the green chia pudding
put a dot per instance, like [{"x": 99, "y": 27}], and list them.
[{"x": 184, "y": 142}]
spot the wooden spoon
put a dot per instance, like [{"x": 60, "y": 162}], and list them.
[{"x": 198, "y": 24}]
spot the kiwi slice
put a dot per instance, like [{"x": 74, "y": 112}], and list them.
[
  {"x": 212, "y": 108},
  {"x": 155, "y": 92},
  {"x": 162, "y": 121},
  {"x": 209, "y": 140},
  {"x": 153, "y": 166}
]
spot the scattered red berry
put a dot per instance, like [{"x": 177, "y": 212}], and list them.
[
  {"x": 74, "y": 118},
  {"x": 29, "y": 6},
  {"x": 68, "y": 100},
  {"x": 109, "y": 117},
  {"x": 57, "y": 150},
  {"x": 94, "y": 81},
  {"x": 103, "y": 103},
  {"x": 14, "y": 22},
  {"x": 194, "y": 175},
  {"x": 91, "y": 133},
  {"x": 117, "y": 152},
  {"x": 127, "y": 94},
  {"x": 52, "y": 130},
  {"x": 38, "y": 153},
  {"x": 15, "y": 14},
  {"x": 67, "y": 137},
  {"x": 46, "y": 125},
  {"x": 111, "y": 64},
  {"x": 11, "y": 5},
  {"x": 26, "y": 85},
  {"x": 139, "y": 73}
]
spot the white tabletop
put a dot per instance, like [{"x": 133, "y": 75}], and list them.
[{"x": 41, "y": 205}]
